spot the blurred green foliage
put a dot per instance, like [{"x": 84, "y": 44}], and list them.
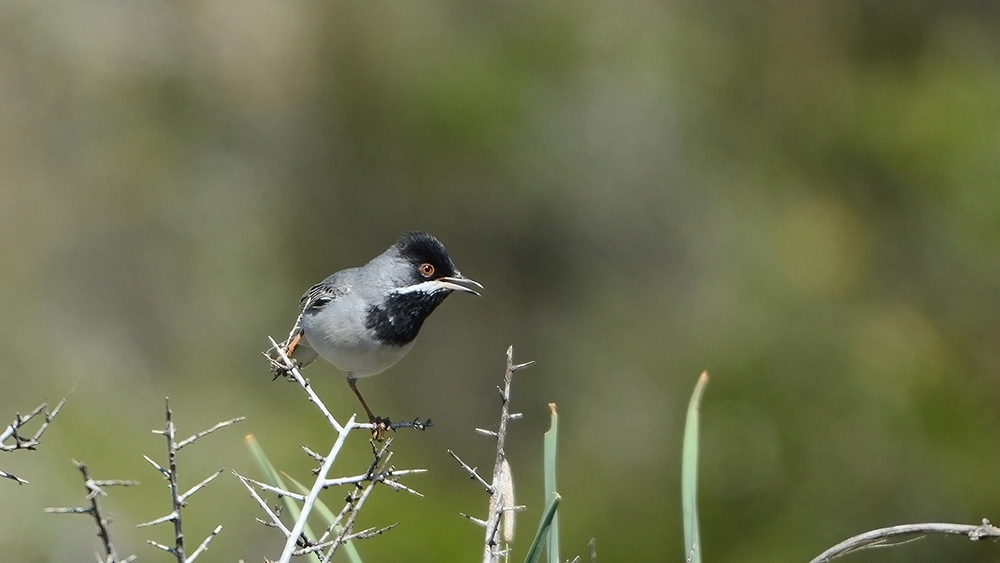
[{"x": 800, "y": 197}]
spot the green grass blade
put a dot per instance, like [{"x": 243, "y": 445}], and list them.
[
  {"x": 550, "y": 482},
  {"x": 689, "y": 475},
  {"x": 329, "y": 516},
  {"x": 535, "y": 551},
  {"x": 271, "y": 476}
]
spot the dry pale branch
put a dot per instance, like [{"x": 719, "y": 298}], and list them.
[
  {"x": 284, "y": 364},
  {"x": 177, "y": 498},
  {"x": 292, "y": 371},
  {"x": 883, "y": 537},
  {"x": 501, "y": 485},
  {"x": 11, "y": 438},
  {"x": 12, "y": 477},
  {"x": 339, "y": 531},
  {"x": 95, "y": 490},
  {"x": 473, "y": 471},
  {"x": 274, "y": 515},
  {"x": 378, "y": 472},
  {"x": 309, "y": 501}
]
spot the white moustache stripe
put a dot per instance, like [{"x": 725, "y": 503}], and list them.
[{"x": 422, "y": 287}]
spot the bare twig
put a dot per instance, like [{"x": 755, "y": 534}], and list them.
[
  {"x": 378, "y": 472},
  {"x": 368, "y": 533},
  {"x": 12, "y": 440},
  {"x": 203, "y": 547},
  {"x": 195, "y": 437},
  {"x": 13, "y": 429},
  {"x": 881, "y": 536},
  {"x": 199, "y": 486},
  {"x": 275, "y": 518},
  {"x": 501, "y": 470},
  {"x": 339, "y": 531},
  {"x": 293, "y": 372},
  {"x": 501, "y": 485},
  {"x": 274, "y": 489},
  {"x": 95, "y": 490},
  {"x": 177, "y": 498},
  {"x": 310, "y": 499},
  {"x": 312, "y": 454},
  {"x": 283, "y": 364},
  {"x": 13, "y": 477},
  {"x": 473, "y": 471}
]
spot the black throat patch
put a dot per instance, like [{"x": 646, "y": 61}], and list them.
[{"x": 397, "y": 322}]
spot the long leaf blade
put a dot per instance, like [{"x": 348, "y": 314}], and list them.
[
  {"x": 272, "y": 476},
  {"x": 535, "y": 551},
  {"x": 551, "y": 438},
  {"x": 689, "y": 474}
]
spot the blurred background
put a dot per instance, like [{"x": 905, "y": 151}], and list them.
[{"x": 802, "y": 198}]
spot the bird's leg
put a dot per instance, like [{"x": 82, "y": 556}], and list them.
[
  {"x": 351, "y": 381},
  {"x": 290, "y": 349},
  {"x": 379, "y": 424}
]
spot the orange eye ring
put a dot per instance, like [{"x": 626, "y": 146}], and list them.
[{"x": 427, "y": 269}]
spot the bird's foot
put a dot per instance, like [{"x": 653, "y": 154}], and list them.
[{"x": 382, "y": 425}]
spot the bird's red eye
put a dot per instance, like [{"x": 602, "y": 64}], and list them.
[{"x": 427, "y": 269}]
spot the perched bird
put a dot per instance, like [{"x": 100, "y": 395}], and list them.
[{"x": 365, "y": 319}]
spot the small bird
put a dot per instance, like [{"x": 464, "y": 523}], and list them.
[{"x": 365, "y": 319}]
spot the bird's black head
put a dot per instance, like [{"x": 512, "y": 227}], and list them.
[
  {"x": 428, "y": 257},
  {"x": 432, "y": 277}
]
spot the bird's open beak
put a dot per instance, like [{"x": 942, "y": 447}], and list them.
[{"x": 454, "y": 282}]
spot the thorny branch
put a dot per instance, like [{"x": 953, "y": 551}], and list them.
[
  {"x": 285, "y": 365},
  {"x": 179, "y": 499},
  {"x": 343, "y": 524},
  {"x": 12, "y": 440},
  {"x": 501, "y": 486},
  {"x": 340, "y": 530},
  {"x": 95, "y": 490},
  {"x": 293, "y": 372}
]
